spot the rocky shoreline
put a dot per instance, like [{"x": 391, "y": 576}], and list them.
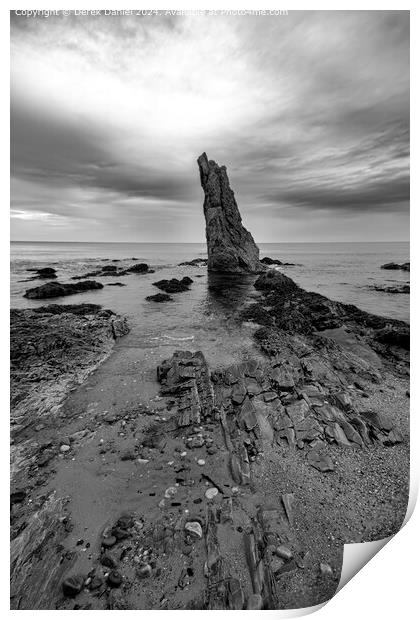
[{"x": 249, "y": 471}]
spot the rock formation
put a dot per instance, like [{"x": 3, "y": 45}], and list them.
[
  {"x": 230, "y": 246},
  {"x": 57, "y": 289}
]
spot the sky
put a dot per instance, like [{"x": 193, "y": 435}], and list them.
[{"x": 309, "y": 112}]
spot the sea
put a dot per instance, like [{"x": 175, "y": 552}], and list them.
[{"x": 344, "y": 272}]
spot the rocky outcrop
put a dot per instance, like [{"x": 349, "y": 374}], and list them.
[
  {"x": 174, "y": 285},
  {"x": 159, "y": 297},
  {"x": 195, "y": 262},
  {"x": 81, "y": 309},
  {"x": 395, "y": 290},
  {"x": 274, "y": 261},
  {"x": 50, "y": 353},
  {"x": 44, "y": 273},
  {"x": 230, "y": 246},
  {"x": 288, "y": 307},
  {"x": 395, "y": 266},
  {"x": 112, "y": 270},
  {"x": 57, "y": 289}
]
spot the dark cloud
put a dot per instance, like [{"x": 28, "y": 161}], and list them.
[
  {"x": 61, "y": 153},
  {"x": 310, "y": 113}
]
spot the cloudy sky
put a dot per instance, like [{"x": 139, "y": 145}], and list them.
[{"x": 309, "y": 111}]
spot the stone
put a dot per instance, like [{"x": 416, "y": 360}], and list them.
[
  {"x": 174, "y": 285},
  {"x": 109, "y": 541},
  {"x": 344, "y": 400},
  {"x": 287, "y": 499},
  {"x": 270, "y": 396},
  {"x": 248, "y": 415},
  {"x": 159, "y": 297},
  {"x": 194, "y": 529},
  {"x": 64, "y": 448},
  {"x": 230, "y": 246},
  {"x": 139, "y": 268},
  {"x": 114, "y": 579},
  {"x": 340, "y": 436},
  {"x": 170, "y": 492},
  {"x": 297, "y": 411},
  {"x": 238, "y": 393},
  {"x": 393, "y": 438},
  {"x": 377, "y": 420},
  {"x": 144, "y": 570},
  {"x": 281, "y": 379},
  {"x": 255, "y": 602},
  {"x": 270, "y": 261},
  {"x": 351, "y": 433},
  {"x": 56, "y": 289},
  {"x": 326, "y": 569},
  {"x": 201, "y": 462},
  {"x": 211, "y": 493},
  {"x": 17, "y": 497},
  {"x": 108, "y": 560},
  {"x": 72, "y": 585},
  {"x": 197, "y": 441},
  {"x": 394, "y": 266},
  {"x": 284, "y": 552},
  {"x": 320, "y": 461},
  {"x": 273, "y": 280}
]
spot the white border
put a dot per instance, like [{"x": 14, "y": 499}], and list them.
[{"x": 386, "y": 587}]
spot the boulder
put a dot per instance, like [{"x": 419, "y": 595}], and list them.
[
  {"x": 174, "y": 285},
  {"x": 195, "y": 262},
  {"x": 394, "y": 266},
  {"x": 230, "y": 247},
  {"x": 57, "y": 289},
  {"x": 139, "y": 268},
  {"x": 274, "y": 280},
  {"x": 45, "y": 273},
  {"x": 159, "y": 297}
]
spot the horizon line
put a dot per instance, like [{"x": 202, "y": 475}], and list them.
[{"x": 204, "y": 242}]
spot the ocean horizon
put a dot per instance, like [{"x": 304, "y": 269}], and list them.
[{"x": 346, "y": 272}]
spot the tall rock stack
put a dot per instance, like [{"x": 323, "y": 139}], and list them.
[{"x": 230, "y": 247}]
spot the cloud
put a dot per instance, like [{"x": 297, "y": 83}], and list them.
[{"x": 310, "y": 112}]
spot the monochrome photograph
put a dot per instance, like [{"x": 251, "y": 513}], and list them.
[{"x": 209, "y": 304}]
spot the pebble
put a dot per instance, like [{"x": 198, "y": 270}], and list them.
[
  {"x": 64, "y": 448},
  {"x": 212, "y": 492},
  {"x": 170, "y": 492},
  {"x": 326, "y": 569},
  {"x": 114, "y": 579},
  {"x": 144, "y": 570},
  {"x": 284, "y": 552},
  {"x": 73, "y": 585},
  {"x": 194, "y": 528},
  {"x": 109, "y": 541},
  {"x": 201, "y": 462}
]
